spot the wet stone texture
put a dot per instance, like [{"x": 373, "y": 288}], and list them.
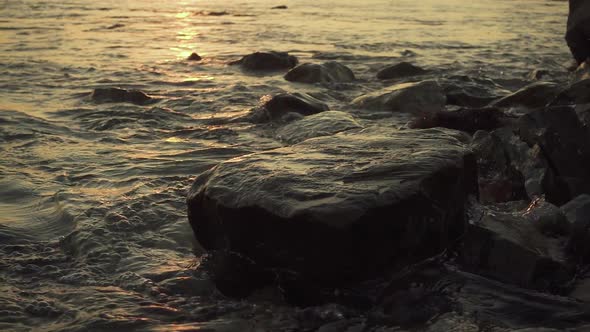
[{"x": 338, "y": 208}]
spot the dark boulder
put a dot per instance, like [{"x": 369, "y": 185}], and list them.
[
  {"x": 418, "y": 98},
  {"x": 562, "y": 141},
  {"x": 267, "y": 61},
  {"x": 338, "y": 208},
  {"x": 535, "y": 95},
  {"x": 329, "y": 72},
  {"x": 466, "y": 119},
  {"x": 194, "y": 57},
  {"x": 508, "y": 247},
  {"x": 118, "y": 95},
  {"x": 400, "y": 70}
]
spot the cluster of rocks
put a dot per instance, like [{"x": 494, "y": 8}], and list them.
[{"x": 504, "y": 186}]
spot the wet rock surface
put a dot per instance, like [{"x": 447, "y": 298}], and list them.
[
  {"x": 118, "y": 95},
  {"x": 418, "y": 98},
  {"x": 328, "y": 72},
  {"x": 512, "y": 247},
  {"x": 561, "y": 139},
  {"x": 339, "y": 193},
  {"x": 538, "y": 94},
  {"x": 267, "y": 61},
  {"x": 400, "y": 70},
  {"x": 321, "y": 124},
  {"x": 467, "y": 120},
  {"x": 284, "y": 105}
]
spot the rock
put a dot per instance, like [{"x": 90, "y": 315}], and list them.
[
  {"x": 321, "y": 124},
  {"x": 466, "y": 91},
  {"x": 419, "y": 98},
  {"x": 329, "y": 72},
  {"x": 267, "y": 61},
  {"x": 582, "y": 73},
  {"x": 118, "y": 95},
  {"x": 338, "y": 208},
  {"x": 280, "y": 7},
  {"x": 547, "y": 218},
  {"x": 537, "y": 74},
  {"x": 563, "y": 142},
  {"x": 577, "y": 212},
  {"x": 508, "y": 168},
  {"x": 194, "y": 57},
  {"x": 535, "y": 95},
  {"x": 400, "y": 70},
  {"x": 465, "y": 119},
  {"x": 508, "y": 247},
  {"x": 236, "y": 275},
  {"x": 577, "y": 93},
  {"x": 278, "y": 107}
]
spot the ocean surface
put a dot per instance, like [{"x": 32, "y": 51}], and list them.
[{"x": 93, "y": 226}]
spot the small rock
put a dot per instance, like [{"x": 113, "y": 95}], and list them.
[
  {"x": 329, "y": 72},
  {"x": 418, "y": 98},
  {"x": 278, "y": 107},
  {"x": 400, "y": 70},
  {"x": 280, "y": 7},
  {"x": 535, "y": 95},
  {"x": 537, "y": 74},
  {"x": 118, "y": 95},
  {"x": 194, "y": 57},
  {"x": 267, "y": 61},
  {"x": 116, "y": 26}
]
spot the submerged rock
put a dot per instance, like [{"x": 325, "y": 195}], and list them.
[
  {"x": 466, "y": 91},
  {"x": 338, "y": 208},
  {"x": 280, "y": 7},
  {"x": 267, "y": 61},
  {"x": 194, "y": 57},
  {"x": 468, "y": 120},
  {"x": 535, "y": 95},
  {"x": 508, "y": 247},
  {"x": 400, "y": 70},
  {"x": 118, "y": 95},
  {"x": 280, "y": 106},
  {"x": 329, "y": 72},
  {"x": 322, "y": 124},
  {"x": 419, "y": 98}
]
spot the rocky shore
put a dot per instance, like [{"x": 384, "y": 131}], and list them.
[{"x": 407, "y": 227}]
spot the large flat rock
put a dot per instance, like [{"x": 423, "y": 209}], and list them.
[{"x": 339, "y": 207}]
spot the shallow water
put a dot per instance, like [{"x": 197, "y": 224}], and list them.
[{"x": 93, "y": 227}]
